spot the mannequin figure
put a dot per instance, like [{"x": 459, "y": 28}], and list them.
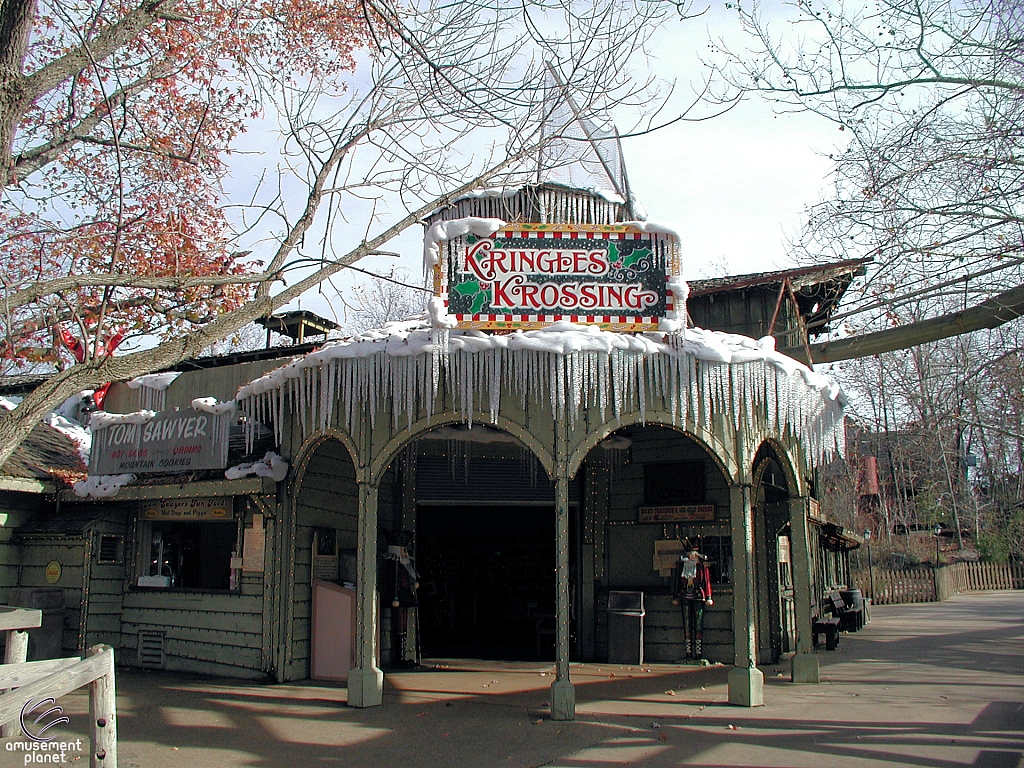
[{"x": 693, "y": 592}]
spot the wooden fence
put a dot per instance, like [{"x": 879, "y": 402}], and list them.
[
  {"x": 912, "y": 585},
  {"x": 926, "y": 585},
  {"x": 977, "y": 577},
  {"x": 40, "y": 682}
]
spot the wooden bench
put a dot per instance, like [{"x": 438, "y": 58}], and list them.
[
  {"x": 828, "y": 626},
  {"x": 850, "y": 618}
]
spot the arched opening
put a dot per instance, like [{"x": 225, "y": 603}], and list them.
[
  {"x": 476, "y": 510},
  {"x": 325, "y": 522},
  {"x": 649, "y": 491},
  {"x": 773, "y": 560}
]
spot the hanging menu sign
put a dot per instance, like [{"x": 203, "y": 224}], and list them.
[
  {"x": 686, "y": 513},
  {"x": 198, "y": 508},
  {"x": 534, "y": 275}
]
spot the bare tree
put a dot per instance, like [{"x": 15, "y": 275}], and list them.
[
  {"x": 446, "y": 98},
  {"x": 381, "y": 299},
  {"x": 928, "y": 102},
  {"x": 929, "y": 98}
]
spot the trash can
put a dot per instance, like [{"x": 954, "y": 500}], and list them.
[
  {"x": 854, "y": 600},
  {"x": 46, "y": 641},
  {"x": 626, "y": 627}
]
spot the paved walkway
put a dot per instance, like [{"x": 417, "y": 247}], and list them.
[{"x": 922, "y": 685}]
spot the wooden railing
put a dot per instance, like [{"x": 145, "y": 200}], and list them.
[
  {"x": 28, "y": 681},
  {"x": 14, "y": 625},
  {"x": 925, "y": 585}
]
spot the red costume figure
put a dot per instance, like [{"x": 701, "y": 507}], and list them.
[{"x": 693, "y": 592}]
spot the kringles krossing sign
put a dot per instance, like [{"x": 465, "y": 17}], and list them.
[{"x": 614, "y": 276}]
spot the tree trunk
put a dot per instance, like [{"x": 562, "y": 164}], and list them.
[{"x": 15, "y": 26}]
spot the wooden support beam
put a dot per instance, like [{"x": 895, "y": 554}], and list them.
[{"x": 991, "y": 313}]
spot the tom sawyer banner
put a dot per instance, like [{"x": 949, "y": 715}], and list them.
[
  {"x": 172, "y": 441},
  {"x": 613, "y": 276}
]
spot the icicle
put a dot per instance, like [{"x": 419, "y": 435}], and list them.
[
  {"x": 603, "y": 383},
  {"x": 735, "y": 384},
  {"x": 617, "y": 383},
  {"x": 575, "y": 386},
  {"x": 556, "y": 373},
  {"x": 637, "y": 374}
]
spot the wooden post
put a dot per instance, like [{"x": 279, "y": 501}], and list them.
[
  {"x": 16, "y": 653},
  {"x": 103, "y": 712},
  {"x": 563, "y": 693},
  {"x": 805, "y": 663},
  {"x": 365, "y": 680}
]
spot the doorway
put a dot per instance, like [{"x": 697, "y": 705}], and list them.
[{"x": 487, "y": 581}]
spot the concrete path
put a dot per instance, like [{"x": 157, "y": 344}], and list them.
[{"x": 922, "y": 685}]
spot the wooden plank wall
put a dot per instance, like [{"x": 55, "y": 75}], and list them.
[
  {"x": 70, "y": 553},
  {"x": 217, "y": 634},
  {"x": 663, "y": 629},
  {"x": 105, "y": 591},
  {"x": 18, "y": 507}
]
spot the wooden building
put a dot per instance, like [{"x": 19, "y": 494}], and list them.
[
  {"x": 531, "y": 473},
  {"x": 791, "y": 305}
]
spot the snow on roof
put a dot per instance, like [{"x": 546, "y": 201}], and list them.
[
  {"x": 400, "y": 364},
  {"x": 415, "y": 337}
]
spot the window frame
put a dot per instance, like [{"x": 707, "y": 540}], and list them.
[{"x": 142, "y": 553}]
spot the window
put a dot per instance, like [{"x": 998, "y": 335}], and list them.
[
  {"x": 718, "y": 550},
  {"x": 680, "y": 482},
  {"x": 190, "y": 554}
]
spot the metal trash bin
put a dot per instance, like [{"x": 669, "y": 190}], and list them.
[
  {"x": 46, "y": 641},
  {"x": 626, "y": 627},
  {"x": 854, "y": 600}
]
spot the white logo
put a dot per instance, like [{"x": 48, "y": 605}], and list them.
[{"x": 33, "y": 704}]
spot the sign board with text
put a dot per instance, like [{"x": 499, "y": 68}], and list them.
[
  {"x": 172, "y": 441},
  {"x": 532, "y": 275},
  {"x": 686, "y": 513},
  {"x": 198, "y": 508}
]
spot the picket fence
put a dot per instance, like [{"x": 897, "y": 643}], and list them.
[{"x": 927, "y": 585}]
